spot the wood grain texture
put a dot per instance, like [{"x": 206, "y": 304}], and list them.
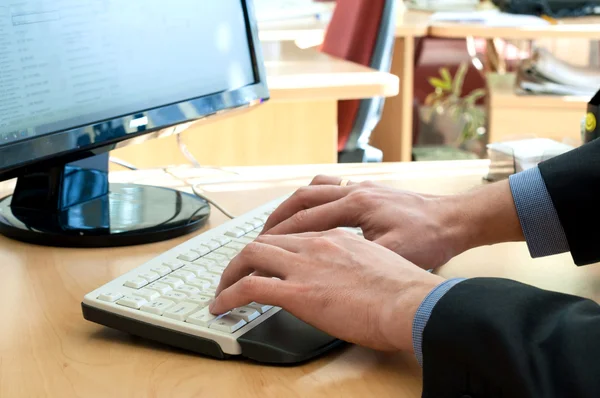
[
  {"x": 393, "y": 135},
  {"x": 273, "y": 133},
  {"x": 297, "y": 126},
  {"x": 547, "y": 116},
  {"x": 585, "y": 28},
  {"x": 48, "y": 350}
]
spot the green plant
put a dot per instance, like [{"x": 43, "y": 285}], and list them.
[{"x": 447, "y": 99}]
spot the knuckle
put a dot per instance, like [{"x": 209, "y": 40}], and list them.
[
  {"x": 301, "y": 216},
  {"x": 367, "y": 184},
  {"x": 319, "y": 179},
  {"x": 252, "y": 249},
  {"x": 247, "y": 286},
  {"x": 325, "y": 243},
  {"x": 361, "y": 197}
]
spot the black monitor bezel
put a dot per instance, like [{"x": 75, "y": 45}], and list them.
[{"x": 62, "y": 147}]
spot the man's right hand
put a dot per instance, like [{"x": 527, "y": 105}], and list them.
[{"x": 427, "y": 230}]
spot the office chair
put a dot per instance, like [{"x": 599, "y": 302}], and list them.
[{"x": 361, "y": 31}]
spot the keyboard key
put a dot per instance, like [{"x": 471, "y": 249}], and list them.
[
  {"x": 158, "y": 306},
  {"x": 173, "y": 282},
  {"x": 246, "y": 227},
  {"x": 187, "y": 289},
  {"x": 246, "y": 313},
  {"x": 189, "y": 256},
  {"x": 216, "y": 270},
  {"x": 262, "y": 218},
  {"x": 162, "y": 288},
  {"x": 213, "y": 279},
  {"x": 110, "y": 297},
  {"x": 201, "y": 250},
  {"x": 147, "y": 294},
  {"x": 227, "y": 324},
  {"x": 236, "y": 246},
  {"x": 205, "y": 262},
  {"x": 252, "y": 235},
  {"x": 216, "y": 257},
  {"x": 161, "y": 270},
  {"x": 149, "y": 276},
  {"x": 195, "y": 269},
  {"x": 184, "y": 275},
  {"x": 223, "y": 240},
  {"x": 200, "y": 299},
  {"x": 180, "y": 311},
  {"x": 235, "y": 233},
  {"x": 175, "y": 296},
  {"x": 136, "y": 283},
  {"x": 244, "y": 240},
  {"x": 228, "y": 252},
  {"x": 260, "y": 307},
  {"x": 256, "y": 223},
  {"x": 201, "y": 318},
  {"x": 201, "y": 284},
  {"x": 174, "y": 264},
  {"x": 132, "y": 302},
  {"x": 212, "y": 244}
]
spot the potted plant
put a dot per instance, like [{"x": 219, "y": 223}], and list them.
[{"x": 454, "y": 118}]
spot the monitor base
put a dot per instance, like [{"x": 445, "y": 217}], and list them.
[{"x": 128, "y": 215}]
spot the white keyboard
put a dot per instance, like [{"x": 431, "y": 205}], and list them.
[{"x": 167, "y": 300}]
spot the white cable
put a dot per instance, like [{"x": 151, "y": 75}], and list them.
[
  {"x": 122, "y": 163},
  {"x": 192, "y": 159},
  {"x": 199, "y": 194},
  {"x": 212, "y": 202}
]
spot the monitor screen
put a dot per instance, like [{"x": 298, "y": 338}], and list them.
[{"x": 71, "y": 63}]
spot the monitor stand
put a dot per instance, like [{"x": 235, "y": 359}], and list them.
[{"x": 73, "y": 205}]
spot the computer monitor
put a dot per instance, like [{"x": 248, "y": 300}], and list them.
[{"x": 79, "y": 78}]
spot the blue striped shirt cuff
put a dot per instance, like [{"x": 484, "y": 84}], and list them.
[
  {"x": 539, "y": 220},
  {"x": 424, "y": 313}
]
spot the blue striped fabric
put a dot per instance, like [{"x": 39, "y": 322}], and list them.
[
  {"x": 424, "y": 312},
  {"x": 541, "y": 226}
]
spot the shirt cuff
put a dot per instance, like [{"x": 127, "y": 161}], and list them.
[
  {"x": 424, "y": 313},
  {"x": 539, "y": 220}
]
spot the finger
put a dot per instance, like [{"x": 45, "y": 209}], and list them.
[
  {"x": 266, "y": 259},
  {"x": 247, "y": 290},
  {"x": 320, "y": 218},
  {"x": 328, "y": 180},
  {"x": 305, "y": 198},
  {"x": 292, "y": 243}
]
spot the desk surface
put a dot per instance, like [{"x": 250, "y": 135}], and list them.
[
  {"x": 297, "y": 74},
  {"x": 413, "y": 23},
  {"x": 47, "y": 349},
  {"x": 578, "y": 28}
]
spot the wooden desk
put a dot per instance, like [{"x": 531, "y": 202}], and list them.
[
  {"x": 394, "y": 133},
  {"x": 47, "y": 349},
  {"x": 568, "y": 28},
  {"x": 297, "y": 126},
  {"x": 511, "y": 115}
]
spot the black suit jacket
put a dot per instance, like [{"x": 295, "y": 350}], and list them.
[{"x": 499, "y": 338}]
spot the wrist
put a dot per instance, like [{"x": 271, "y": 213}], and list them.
[
  {"x": 398, "y": 316},
  {"x": 484, "y": 216}
]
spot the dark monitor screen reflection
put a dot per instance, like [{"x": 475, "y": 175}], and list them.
[{"x": 77, "y": 77}]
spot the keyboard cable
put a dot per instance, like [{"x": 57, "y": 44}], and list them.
[{"x": 195, "y": 187}]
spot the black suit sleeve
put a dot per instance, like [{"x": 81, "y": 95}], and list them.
[
  {"x": 573, "y": 182},
  {"x": 499, "y": 338}
]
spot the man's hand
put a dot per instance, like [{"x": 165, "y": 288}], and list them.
[
  {"x": 346, "y": 286},
  {"x": 427, "y": 230}
]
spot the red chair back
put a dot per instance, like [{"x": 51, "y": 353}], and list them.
[{"x": 352, "y": 35}]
